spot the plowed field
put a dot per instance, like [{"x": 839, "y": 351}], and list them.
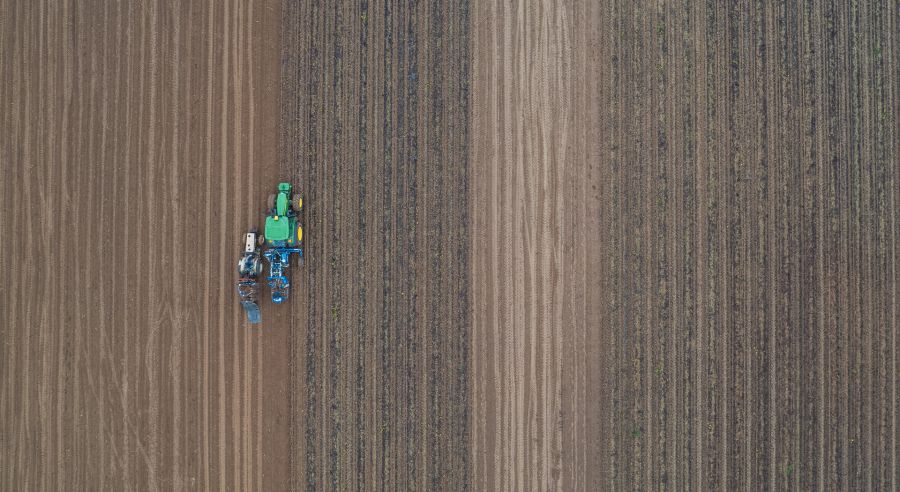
[
  {"x": 755, "y": 168},
  {"x": 137, "y": 142},
  {"x": 559, "y": 245}
]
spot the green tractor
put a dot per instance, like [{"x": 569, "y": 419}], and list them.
[
  {"x": 283, "y": 235},
  {"x": 282, "y": 225}
]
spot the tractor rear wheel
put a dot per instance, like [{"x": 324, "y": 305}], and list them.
[
  {"x": 270, "y": 204},
  {"x": 297, "y": 203}
]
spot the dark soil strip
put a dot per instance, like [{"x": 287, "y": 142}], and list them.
[
  {"x": 375, "y": 135},
  {"x": 756, "y": 167}
]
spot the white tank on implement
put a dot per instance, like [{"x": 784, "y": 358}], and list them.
[{"x": 250, "y": 243}]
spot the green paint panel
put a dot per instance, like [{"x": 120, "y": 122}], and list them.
[{"x": 277, "y": 230}]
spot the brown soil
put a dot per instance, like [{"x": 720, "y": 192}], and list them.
[
  {"x": 551, "y": 245},
  {"x": 538, "y": 340},
  {"x": 754, "y": 167},
  {"x": 136, "y": 142},
  {"x": 731, "y": 256},
  {"x": 375, "y": 131}
]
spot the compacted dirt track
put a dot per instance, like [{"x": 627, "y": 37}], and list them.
[
  {"x": 134, "y": 149},
  {"x": 538, "y": 342}
]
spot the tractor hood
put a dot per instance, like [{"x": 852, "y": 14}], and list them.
[{"x": 277, "y": 228}]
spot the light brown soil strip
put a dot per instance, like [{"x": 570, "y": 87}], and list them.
[
  {"x": 536, "y": 250},
  {"x": 119, "y": 126}
]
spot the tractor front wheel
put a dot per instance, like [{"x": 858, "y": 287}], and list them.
[
  {"x": 270, "y": 204},
  {"x": 297, "y": 203}
]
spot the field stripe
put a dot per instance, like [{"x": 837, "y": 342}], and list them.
[
  {"x": 208, "y": 148},
  {"x": 374, "y": 131},
  {"x": 525, "y": 322}
]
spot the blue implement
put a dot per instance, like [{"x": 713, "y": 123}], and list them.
[
  {"x": 249, "y": 268},
  {"x": 247, "y": 293},
  {"x": 252, "y": 312},
  {"x": 278, "y": 258}
]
